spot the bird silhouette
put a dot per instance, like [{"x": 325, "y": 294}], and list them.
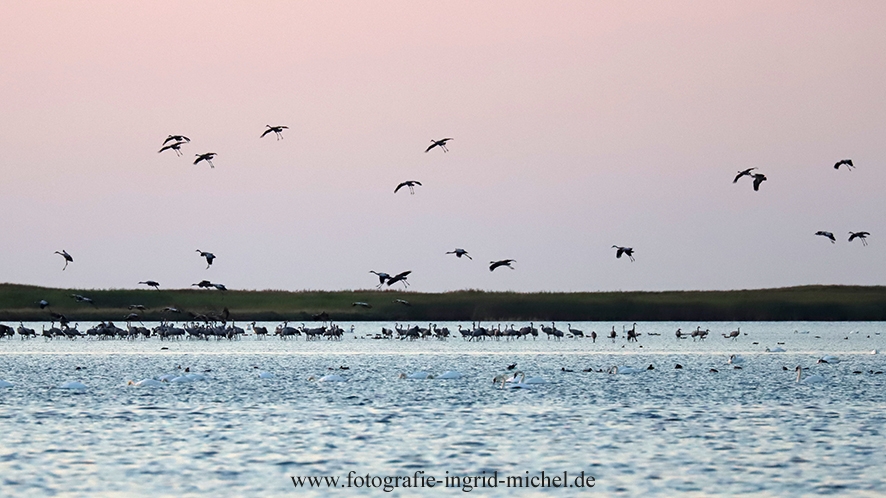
[
  {"x": 860, "y": 235},
  {"x": 459, "y": 253},
  {"x": 83, "y": 299},
  {"x": 209, "y": 257},
  {"x": 400, "y": 277},
  {"x": 176, "y": 138},
  {"x": 847, "y": 162},
  {"x": 151, "y": 283},
  {"x": 827, "y": 234},
  {"x": 629, "y": 251},
  {"x": 742, "y": 173},
  {"x": 278, "y": 130},
  {"x": 410, "y": 184},
  {"x": 68, "y": 258},
  {"x": 502, "y": 262},
  {"x": 361, "y": 304},
  {"x": 439, "y": 143},
  {"x": 176, "y": 146},
  {"x": 382, "y": 278},
  {"x": 206, "y": 157},
  {"x": 758, "y": 179},
  {"x": 401, "y": 301},
  {"x": 220, "y": 287},
  {"x": 203, "y": 284}
]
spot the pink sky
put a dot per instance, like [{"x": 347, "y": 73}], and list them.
[{"x": 577, "y": 125}]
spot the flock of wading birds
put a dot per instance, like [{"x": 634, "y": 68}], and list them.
[
  {"x": 176, "y": 142},
  {"x": 511, "y": 378}
]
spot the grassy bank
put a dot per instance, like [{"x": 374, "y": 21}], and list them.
[{"x": 823, "y": 303}]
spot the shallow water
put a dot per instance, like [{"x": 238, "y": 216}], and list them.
[{"x": 658, "y": 432}]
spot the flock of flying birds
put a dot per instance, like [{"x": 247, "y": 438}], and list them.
[
  {"x": 760, "y": 178},
  {"x": 175, "y": 143}
]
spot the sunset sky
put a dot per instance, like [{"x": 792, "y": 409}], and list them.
[{"x": 576, "y": 125}]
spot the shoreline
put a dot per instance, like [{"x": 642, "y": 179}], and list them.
[{"x": 800, "y": 303}]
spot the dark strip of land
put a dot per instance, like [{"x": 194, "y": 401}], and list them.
[{"x": 805, "y": 303}]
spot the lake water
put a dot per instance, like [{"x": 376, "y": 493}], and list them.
[{"x": 659, "y": 432}]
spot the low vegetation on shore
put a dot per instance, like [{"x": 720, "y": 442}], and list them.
[{"x": 812, "y": 303}]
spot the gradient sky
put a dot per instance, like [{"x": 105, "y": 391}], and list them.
[{"x": 577, "y": 125}]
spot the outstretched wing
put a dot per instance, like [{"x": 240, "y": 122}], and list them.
[
  {"x": 758, "y": 179},
  {"x": 431, "y": 146},
  {"x": 399, "y": 187},
  {"x": 266, "y": 132}
]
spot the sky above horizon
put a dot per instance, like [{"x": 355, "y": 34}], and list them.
[{"x": 577, "y": 126}]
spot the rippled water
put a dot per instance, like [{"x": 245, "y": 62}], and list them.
[{"x": 658, "y": 432}]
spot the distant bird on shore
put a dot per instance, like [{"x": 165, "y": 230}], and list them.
[
  {"x": 382, "y": 278},
  {"x": 171, "y": 309},
  {"x": 459, "y": 253},
  {"x": 758, "y": 179},
  {"x": 410, "y": 184},
  {"x": 176, "y": 146},
  {"x": 43, "y": 303},
  {"x": 400, "y": 277},
  {"x": 278, "y": 130},
  {"x": 139, "y": 307},
  {"x": 827, "y": 234},
  {"x": 220, "y": 287},
  {"x": 629, "y": 251},
  {"x": 502, "y": 262},
  {"x": 361, "y": 304},
  {"x": 205, "y": 157},
  {"x": 203, "y": 284},
  {"x": 847, "y": 162},
  {"x": 68, "y": 258},
  {"x": 151, "y": 283},
  {"x": 859, "y": 235},
  {"x": 209, "y": 257},
  {"x": 742, "y": 173},
  {"x": 439, "y": 143},
  {"x": 402, "y": 301},
  {"x": 176, "y": 138}
]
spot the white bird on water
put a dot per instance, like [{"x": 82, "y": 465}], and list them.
[
  {"x": 812, "y": 379},
  {"x": 145, "y": 383},
  {"x": 416, "y": 376},
  {"x": 78, "y": 386}
]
